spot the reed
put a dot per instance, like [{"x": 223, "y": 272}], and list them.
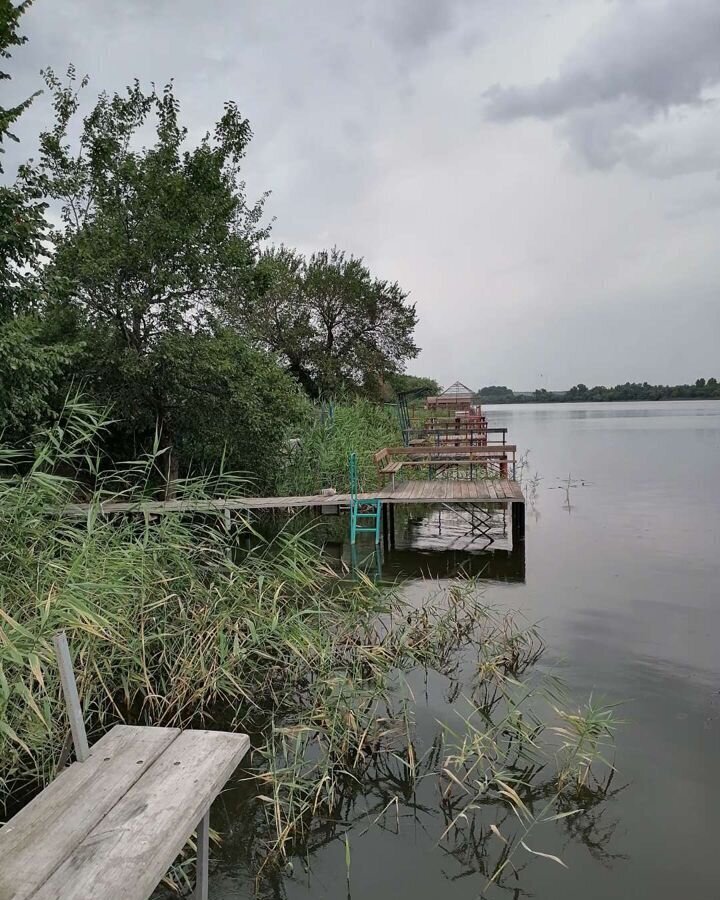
[{"x": 320, "y": 459}]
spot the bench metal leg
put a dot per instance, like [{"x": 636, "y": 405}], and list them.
[
  {"x": 203, "y": 850},
  {"x": 72, "y": 701}
]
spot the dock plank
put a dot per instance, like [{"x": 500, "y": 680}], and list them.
[
  {"x": 126, "y": 853},
  {"x": 436, "y": 490},
  {"x": 46, "y": 831}
]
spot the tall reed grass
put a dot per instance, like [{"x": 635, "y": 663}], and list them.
[{"x": 320, "y": 459}]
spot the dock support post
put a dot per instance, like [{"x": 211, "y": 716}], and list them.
[
  {"x": 203, "y": 852},
  {"x": 228, "y": 527},
  {"x": 392, "y": 526},
  {"x": 518, "y": 523},
  {"x": 385, "y": 526},
  {"x": 72, "y": 701}
]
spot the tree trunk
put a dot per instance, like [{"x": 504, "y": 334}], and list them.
[{"x": 305, "y": 379}]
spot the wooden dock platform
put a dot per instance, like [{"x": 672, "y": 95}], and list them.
[{"x": 433, "y": 491}]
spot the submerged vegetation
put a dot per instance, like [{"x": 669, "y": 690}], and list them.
[{"x": 167, "y": 627}]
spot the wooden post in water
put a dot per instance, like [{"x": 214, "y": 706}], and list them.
[
  {"x": 385, "y": 526},
  {"x": 518, "y": 523}
]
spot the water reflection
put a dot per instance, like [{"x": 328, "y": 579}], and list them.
[
  {"x": 379, "y": 564},
  {"x": 442, "y": 543}
]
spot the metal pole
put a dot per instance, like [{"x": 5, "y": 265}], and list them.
[
  {"x": 70, "y": 693},
  {"x": 203, "y": 858}
]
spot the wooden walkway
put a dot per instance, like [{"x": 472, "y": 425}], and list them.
[
  {"x": 437, "y": 490},
  {"x": 111, "y": 826}
]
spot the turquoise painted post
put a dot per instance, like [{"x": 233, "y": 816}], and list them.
[{"x": 362, "y": 510}]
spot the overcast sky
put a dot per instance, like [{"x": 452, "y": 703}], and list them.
[{"x": 543, "y": 176}]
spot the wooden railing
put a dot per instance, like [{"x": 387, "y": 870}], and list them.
[
  {"x": 457, "y": 434},
  {"x": 495, "y": 460}
]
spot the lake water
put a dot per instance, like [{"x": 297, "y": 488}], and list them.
[{"x": 622, "y": 569}]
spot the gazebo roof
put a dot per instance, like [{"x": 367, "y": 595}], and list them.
[{"x": 458, "y": 389}]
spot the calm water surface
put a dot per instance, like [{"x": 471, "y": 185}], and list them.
[{"x": 622, "y": 569}]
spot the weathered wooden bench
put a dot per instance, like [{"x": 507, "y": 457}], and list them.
[
  {"x": 386, "y": 465},
  {"x": 110, "y": 826},
  {"x": 436, "y": 457}
]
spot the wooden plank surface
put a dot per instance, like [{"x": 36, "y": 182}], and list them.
[
  {"x": 430, "y": 490},
  {"x": 126, "y": 853},
  {"x": 46, "y": 831}
]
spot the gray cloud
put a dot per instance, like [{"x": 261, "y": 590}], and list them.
[
  {"x": 413, "y": 24},
  {"x": 367, "y": 133},
  {"x": 647, "y": 60}
]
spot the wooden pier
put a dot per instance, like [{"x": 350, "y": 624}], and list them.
[
  {"x": 435, "y": 490},
  {"x": 464, "y": 463},
  {"x": 431, "y": 492}
]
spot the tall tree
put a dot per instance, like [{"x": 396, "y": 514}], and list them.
[
  {"x": 402, "y": 383},
  {"x": 335, "y": 326},
  {"x": 150, "y": 237},
  {"x": 33, "y": 354}
]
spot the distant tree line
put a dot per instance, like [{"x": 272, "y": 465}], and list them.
[
  {"x": 134, "y": 267},
  {"x": 702, "y": 389}
]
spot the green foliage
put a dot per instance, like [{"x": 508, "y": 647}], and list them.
[
  {"x": 223, "y": 402},
  {"x": 10, "y": 14},
  {"x": 151, "y": 238},
  {"x": 335, "y": 326},
  {"x": 399, "y": 383},
  {"x": 496, "y": 393},
  {"x": 22, "y": 221},
  {"x": 157, "y": 253},
  {"x": 635, "y": 391},
  {"x": 320, "y": 457},
  {"x": 32, "y": 359},
  {"x": 230, "y": 402},
  {"x": 33, "y": 356}
]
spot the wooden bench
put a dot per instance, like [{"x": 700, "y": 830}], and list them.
[
  {"x": 110, "y": 826},
  {"x": 386, "y": 465},
  {"x": 438, "y": 456}
]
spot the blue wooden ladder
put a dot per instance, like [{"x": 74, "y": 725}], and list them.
[{"x": 362, "y": 511}]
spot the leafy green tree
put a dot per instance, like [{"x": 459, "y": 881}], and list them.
[
  {"x": 402, "y": 383},
  {"x": 231, "y": 402},
  {"x": 496, "y": 393},
  {"x": 334, "y": 325},
  {"x": 33, "y": 352},
  {"x": 151, "y": 236}
]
